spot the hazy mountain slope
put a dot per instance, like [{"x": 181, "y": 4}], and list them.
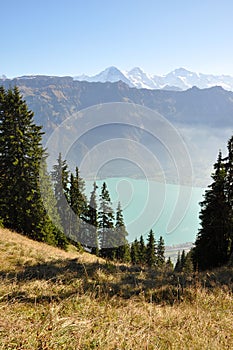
[
  {"x": 55, "y": 98},
  {"x": 204, "y": 117}
]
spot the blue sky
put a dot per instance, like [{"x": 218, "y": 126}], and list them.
[{"x": 71, "y": 37}]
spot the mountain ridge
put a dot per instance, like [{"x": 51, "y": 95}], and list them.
[
  {"x": 203, "y": 117},
  {"x": 179, "y": 78},
  {"x": 53, "y": 99}
]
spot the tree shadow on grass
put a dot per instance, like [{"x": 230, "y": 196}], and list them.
[
  {"x": 69, "y": 277},
  {"x": 100, "y": 280}
]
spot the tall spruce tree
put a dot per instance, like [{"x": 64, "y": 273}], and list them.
[
  {"x": 182, "y": 259},
  {"x": 212, "y": 243},
  {"x": 50, "y": 204},
  {"x": 78, "y": 204},
  {"x": 229, "y": 194},
  {"x": 160, "y": 257},
  {"x": 60, "y": 178},
  {"x": 151, "y": 250},
  {"x": 169, "y": 265},
  {"x": 229, "y": 172},
  {"x": 134, "y": 252},
  {"x": 184, "y": 262},
  {"x": 122, "y": 250},
  {"x": 106, "y": 224},
  {"x": 178, "y": 266},
  {"x": 47, "y": 193},
  {"x": 92, "y": 222},
  {"x": 188, "y": 264},
  {"x": 21, "y": 153},
  {"x": 141, "y": 251}
]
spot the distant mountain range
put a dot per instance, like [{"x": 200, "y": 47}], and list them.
[
  {"x": 204, "y": 117},
  {"x": 53, "y": 99},
  {"x": 178, "y": 79}
]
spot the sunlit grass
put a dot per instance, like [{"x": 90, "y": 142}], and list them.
[{"x": 51, "y": 299}]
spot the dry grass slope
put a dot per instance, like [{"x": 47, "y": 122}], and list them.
[{"x": 51, "y": 299}]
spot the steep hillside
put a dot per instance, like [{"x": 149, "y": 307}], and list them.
[{"x": 51, "y": 299}]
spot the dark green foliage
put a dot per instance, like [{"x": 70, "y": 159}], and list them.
[
  {"x": 213, "y": 243},
  {"x": 72, "y": 205},
  {"x": 169, "y": 264},
  {"x": 50, "y": 204},
  {"x": 141, "y": 251},
  {"x": 160, "y": 258},
  {"x": 92, "y": 221},
  {"x": 134, "y": 252},
  {"x": 122, "y": 250},
  {"x": 151, "y": 254},
  {"x": 60, "y": 178},
  {"x": 106, "y": 225},
  {"x": 78, "y": 204},
  {"x": 182, "y": 259},
  {"x": 188, "y": 264},
  {"x": 21, "y": 153},
  {"x": 229, "y": 172},
  {"x": 178, "y": 266},
  {"x": 151, "y": 250},
  {"x": 20, "y": 138},
  {"x": 184, "y": 262},
  {"x": 229, "y": 193}
]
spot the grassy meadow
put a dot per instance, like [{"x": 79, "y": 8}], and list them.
[{"x": 51, "y": 299}]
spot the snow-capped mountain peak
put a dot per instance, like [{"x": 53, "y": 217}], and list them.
[
  {"x": 3, "y": 77},
  {"x": 181, "y": 71},
  {"x": 178, "y": 79},
  {"x": 111, "y": 74},
  {"x": 140, "y": 79}
]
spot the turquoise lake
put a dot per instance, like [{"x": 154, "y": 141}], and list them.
[{"x": 172, "y": 211}]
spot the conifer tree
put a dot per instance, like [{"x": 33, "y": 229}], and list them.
[
  {"x": 188, "y": 264},
  {"x": 106, "y": 224},
  {"x": 21, "y": 153},
  {"x": 229, "y": 194},
  {"x": 178, "y": 266},
  {"x": 182, "y": 259},
  {"x": 169, "y": 264},
  {"x": 78, "y": 204},
  {"x": 151, "y": 250},
  {"x": 48, "y": 196},
  {"x": 122, "y": 250},
  {"x": 50, "y": 204},
  {"x": 134, "y": 252},
  {"x": 141, "y": 251},
  {"x": 184, "y": 262},
  {"x": 92, "y": 221},
  {"x": 212, "y": 243},
  {"x": 60, "y": 178},
  {"x": 229, "y": 172},
  {"x": 160, "y": 258}
]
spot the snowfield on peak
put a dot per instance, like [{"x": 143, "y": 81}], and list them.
[{"x": 178, "y": 79}]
